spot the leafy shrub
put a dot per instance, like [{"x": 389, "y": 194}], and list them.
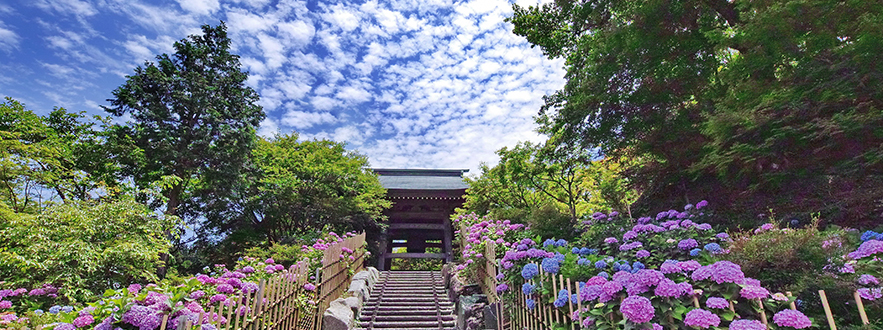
[
  {"x": 83, "y": 248},
  {"x": 790, "y": 259}
]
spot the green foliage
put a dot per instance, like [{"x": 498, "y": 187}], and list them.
[
  {"x": 291, "y": 191},
  {"x": 52, "y": 158},
  {"x": 752, "y": 104},
  {"x": 192, "y": 116},
  {"x": 789, "y": 259},
  {"x": 83, "y": 248},
  {"x": 547, "y": 188}
]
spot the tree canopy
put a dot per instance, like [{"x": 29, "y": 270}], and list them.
[
  {"x": 749, "y": 103},
  {"x": 191, "y": 116}
]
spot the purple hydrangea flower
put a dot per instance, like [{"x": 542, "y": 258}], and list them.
[
  {"x": 5, "y": 304},
  {"x": 722, "y": 235},
  {"x": 637, "y": 309},
  {"x": 66, "y": 326},
  {"x": 83, "y": 320},
  {"x": 649, "y": 277},
  {"x": 866, "y": 279},
  {"x": 134, "y": 289},
  {"x": 701, "y": 204},
  {"x": 668, "y": 288},
  {"x": 143, "y": 317},
  {"x": 726, "y": 272},
  {"x": 717, "y": 302},
  {"x": 754, "y": 292},
  {"x": 610, "y": 240},
  {"x": 502, "y": 287},
  {"x": 744, "y": 324},
  {"x": 670, "y": 267},
  {"x": 590, "y": 292},
  {"x": 701, "y": 318},
  {"x": 791, "y": 318},
  {"x": 870, "y": 294},
  {"x": 225, "y": 288},
  {"x": 687, "y": 244},
  {"x": 629, "y": 235},
  {"x": 217, "y": 298},
  {"x": 198, "y": 294},
  {"x": 642, "y": 254},
  {"x": 701, "y": 273}
]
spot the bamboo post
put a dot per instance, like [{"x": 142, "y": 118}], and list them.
[
  {"x": 763, "y": 318},
  {"x": 230, "y": 307},
  {"x": 828, "y": 314},
  {"x": 186, "y": 325},
  {"x": 861, "y": 307},
  {"x": 579, "y": 307},
  {"x": 199, "y": 320},
  {"x": 165, "y": 322},
  {"x": 696, "y": 302},
  {"x": 791, "y": 304},
  {"x": 259, "y": 303},
  {"x": 555, "y": 294},
  {"x": 211, "y": 313},
  {"x": 570, "y": 303}
]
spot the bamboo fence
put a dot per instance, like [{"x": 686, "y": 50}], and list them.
[
  {"x": 281, "y": 302},
  {"x": 514, "y": 313}
]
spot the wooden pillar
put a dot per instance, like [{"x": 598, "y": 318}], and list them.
[{"x": 447, "y": 237}]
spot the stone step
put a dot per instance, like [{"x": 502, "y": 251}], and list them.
[
  {"x": 423, "y": 328},
  {"x": 410, "y": 318},
  {"x": 411, "y": 324},
  {"x": 420, "y": 312},
  {"x": 411, "y": 300}
]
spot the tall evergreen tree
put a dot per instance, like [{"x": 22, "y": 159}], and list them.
[{"x": 191, "y": 114}]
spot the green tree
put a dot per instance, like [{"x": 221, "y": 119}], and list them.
[
  {"x": 52, "y": 158},
  {"x": 192, "y": 117},
  {"x": 83, "y": 247},
  {"x": 296, "y": 188},
  {"x": 748, "y": 103}
]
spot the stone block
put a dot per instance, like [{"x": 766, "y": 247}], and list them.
[
  {"x": 338, "y": 316},
  {"x": 365, "y": 276},
  {"x": 354, "y": 304},
  {"x": 360, "y": 290}
]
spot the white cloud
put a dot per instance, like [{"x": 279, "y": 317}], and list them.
[
  {"x": 71, "y": 7},
  {"x": 355, "y": 94},
  {"x": 342, "y": 18},
  {"x": 303, "y": 120},
  {"x": 8, "y": 39},
  {"x": 200, "y": 7},
  {"x": 268, "y": 128}
]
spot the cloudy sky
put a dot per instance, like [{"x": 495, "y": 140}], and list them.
[{"x": 409, "y": 83}]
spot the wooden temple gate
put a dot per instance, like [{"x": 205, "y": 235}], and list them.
[{"x": 423, "y": 201}]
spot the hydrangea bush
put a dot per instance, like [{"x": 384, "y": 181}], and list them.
[
  {"x": 142, "y": 307},
  {"x": 647, "y": 274},
  {"x": 479, "y": 231}
]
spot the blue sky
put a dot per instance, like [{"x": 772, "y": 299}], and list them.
[{"x": 409, "y": 83}]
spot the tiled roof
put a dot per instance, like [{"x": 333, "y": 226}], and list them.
[{"x": 421, "y": 179}]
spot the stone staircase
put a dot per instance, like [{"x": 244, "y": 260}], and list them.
[{"x": 408, "y": 300}]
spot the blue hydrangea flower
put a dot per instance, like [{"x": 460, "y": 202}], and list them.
[
  {"x": 638, "y": 266},
  {"x": 574, "y": 250},
  {"x": 531, "y": 304},
  {"x": 713, "y": 247},
  {"x": 600, "y": 264},
  {"x": 548, "y": 243},
  {"x": 529, "y": 271},
  {"x": 527, "y": 288},
  {"x": 587, "y": 251},
  {"x": 695, "y": 252},
  {"x": 880, "y": 237},
  {"x": 604, "y": 275},
  {"x": 54, "y": 309},
  {"x": 562, "y": 299},
  {"x": 868, "y": 235},
  {"x": 560, "y": 243},
  {"x": 625, "y": 267},
  {"x": 560, "y": 257},
  {"x": 551, "y": 265},
  {"x": 582, "y": 261},
  {"x": 38, "y": 311},
  {"x": 616, "y": 267}
]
